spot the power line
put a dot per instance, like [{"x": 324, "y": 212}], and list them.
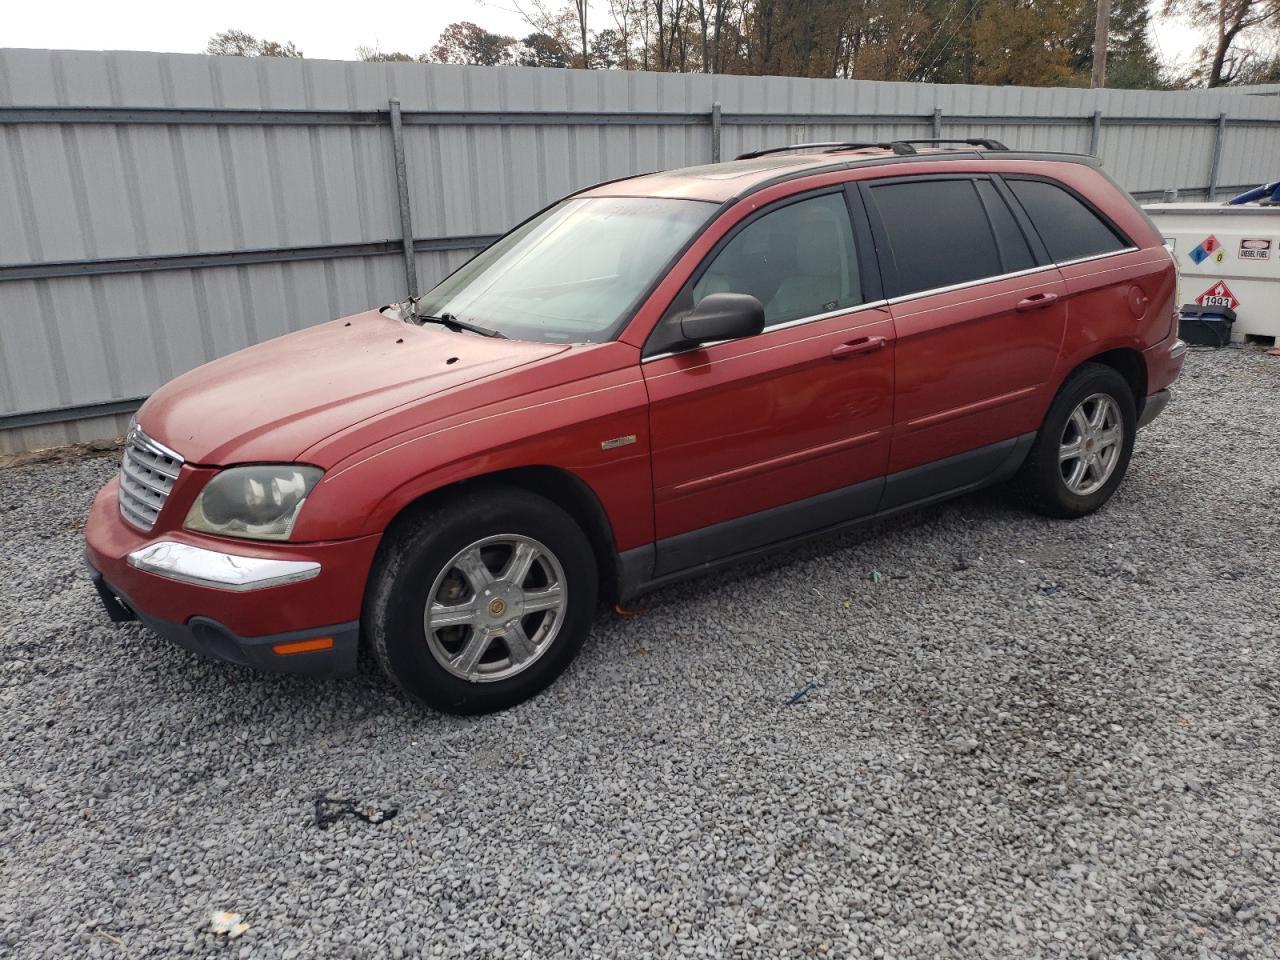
[
  {"x": 937, "y": 35},
  {"x": 955, "y": 33}
]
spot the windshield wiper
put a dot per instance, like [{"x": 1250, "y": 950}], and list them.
[{"x": 453, "y": 323}]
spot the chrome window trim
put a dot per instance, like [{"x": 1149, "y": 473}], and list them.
[
  {"x": 786, "y": 324},
  {"x": 907, "y": 297},
  {"x": 932, "y": 291},
  {"x": 1010, "y": 276},
  {"x": 814, "y": 318},
  {"x": 1098, "y": 256}
]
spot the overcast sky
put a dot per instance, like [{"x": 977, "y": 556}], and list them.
[{"x": 322, "y": 29}]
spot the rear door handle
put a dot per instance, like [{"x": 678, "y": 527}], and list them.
[
  {"x": 855, "y": 347},
  {"x": 1036, "y": 301}
]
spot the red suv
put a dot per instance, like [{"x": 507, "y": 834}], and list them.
[{"x": 649, "y": 379}]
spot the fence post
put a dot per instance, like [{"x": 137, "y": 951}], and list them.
[
  {"x": 937, "y": 123},
  {"x": 1216, "y": 163},
  {"x": 402, "y": 190},
  {"x": 1095, "y": 138},
  {"x": 715, "y": 132}
]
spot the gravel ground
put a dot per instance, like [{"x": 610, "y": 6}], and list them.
[{"x": 971, "y": 732}]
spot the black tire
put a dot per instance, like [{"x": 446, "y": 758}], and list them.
[
  {"x": 1041, "y": 482},
  {"x": 421, "y": 547}
]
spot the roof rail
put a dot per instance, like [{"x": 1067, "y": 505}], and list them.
[
  {"x": 900, "y": 147},
  {"x": 825, "y": 145},
  {"x": 908, "y": 146}
]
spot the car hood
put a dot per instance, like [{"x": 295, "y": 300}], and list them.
[{"x": 272, "y": 401}]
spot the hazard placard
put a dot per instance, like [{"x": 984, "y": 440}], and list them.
[
  {"x": 1219, "y": 295},
  {"x": 1208, "y": 247}
]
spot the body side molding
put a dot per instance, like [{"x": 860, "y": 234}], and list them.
[{"x": 691, "y": 554}]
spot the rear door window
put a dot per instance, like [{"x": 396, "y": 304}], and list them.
[
  {"x": 939, "y": 234},
  {"x": 1068, "y": 227}
]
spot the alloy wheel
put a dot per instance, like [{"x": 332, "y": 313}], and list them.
[
  {"x": 1091, "y": 444},
  {"x": 495, "y": 608}
]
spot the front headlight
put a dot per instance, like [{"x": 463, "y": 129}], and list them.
[{"x": 259, "y": 503}]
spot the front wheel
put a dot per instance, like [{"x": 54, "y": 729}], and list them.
[
  {"x": 1083, "y": 448},
  {"x": 482, "y": 601}
]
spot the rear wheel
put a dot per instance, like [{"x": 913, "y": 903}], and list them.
[
  {"x": 1082, "y": 451},
  {"x": 482, "y": 601}
]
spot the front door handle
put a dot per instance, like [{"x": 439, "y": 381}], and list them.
[
  {"x": 855, "y": 347},
  {"x": 1036, "y": 302}
]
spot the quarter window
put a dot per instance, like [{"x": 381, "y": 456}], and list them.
[
  {"x": 939, "y": 233},
  {"x": 1070, "y": 230},
  {"x": 797, "y": 260}
]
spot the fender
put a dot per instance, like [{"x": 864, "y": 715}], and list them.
[
  {"x": 594, "y": 428},
  {"x": 1067, "y": 362}
]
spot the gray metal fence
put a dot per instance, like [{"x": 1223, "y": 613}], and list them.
[{"x": 160, "y": 210}]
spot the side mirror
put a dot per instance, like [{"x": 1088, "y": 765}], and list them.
[{"x": 723, "y": 316}]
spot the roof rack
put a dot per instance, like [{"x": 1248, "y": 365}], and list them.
[
  {"x": 982, "y": 142},
  {"x": 826, "y": 145},
  {"x": 900, "y": 147}
]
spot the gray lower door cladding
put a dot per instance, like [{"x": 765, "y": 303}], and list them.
[
  {"x": 866, "y": 500},
  {"x": 965, "y": 471}
]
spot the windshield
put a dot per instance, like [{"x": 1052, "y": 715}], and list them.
[{"x": 573, "y": 273}]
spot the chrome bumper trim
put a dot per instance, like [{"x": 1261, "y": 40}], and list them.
[
  {"x": 1178, "y": 348},
  {"x": 222, "y": 571}
]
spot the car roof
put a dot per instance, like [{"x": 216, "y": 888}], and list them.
[{"x": 719, "y": 182}]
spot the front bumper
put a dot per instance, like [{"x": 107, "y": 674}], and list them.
[
  {"x": 328, "y": 651},
  {"x": 273, "y": 606}
]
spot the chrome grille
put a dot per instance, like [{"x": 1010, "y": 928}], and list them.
[{"x": 147, "y": 473}]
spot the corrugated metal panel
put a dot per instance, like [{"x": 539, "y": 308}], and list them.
[{"x": 85, "y": 190}]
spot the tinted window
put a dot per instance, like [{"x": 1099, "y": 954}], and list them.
[
  {"x": 797, "y": 260},
  {"x": 1069, "y": 228},
  {"x": 1014, "y": 252},
  {"x": 939, "y": 233}
]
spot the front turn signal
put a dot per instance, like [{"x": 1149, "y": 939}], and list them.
[{"x": 302, "y": 646}]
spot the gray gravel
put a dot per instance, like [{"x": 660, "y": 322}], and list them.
[{"x": 1011, "y": 737}]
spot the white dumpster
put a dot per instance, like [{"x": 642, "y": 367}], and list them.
[{"x": 1227, "y": 256}]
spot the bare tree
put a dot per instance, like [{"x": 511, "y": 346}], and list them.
[
  {"x": 624, "y": 14},
  {"x": 1231, "y": 21},
  {"x": 558, "y": 23},
  {"x": 715, "y": 43},
  {"x": 704, "y": 36},
  {"x": 580, "y": 8},
  {"x": 377, "y": 55},
  {"x": 237, "y": 43}
]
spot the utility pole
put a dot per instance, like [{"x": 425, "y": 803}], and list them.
[{"x": 1101, "y": 28}]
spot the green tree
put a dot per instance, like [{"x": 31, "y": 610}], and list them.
[
  {"x": 543, "y": 50},
  {"x": 1022, "y": 42},
  {"x": 1131, "y": 57},
  {"x": 608, "y": 50}
]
